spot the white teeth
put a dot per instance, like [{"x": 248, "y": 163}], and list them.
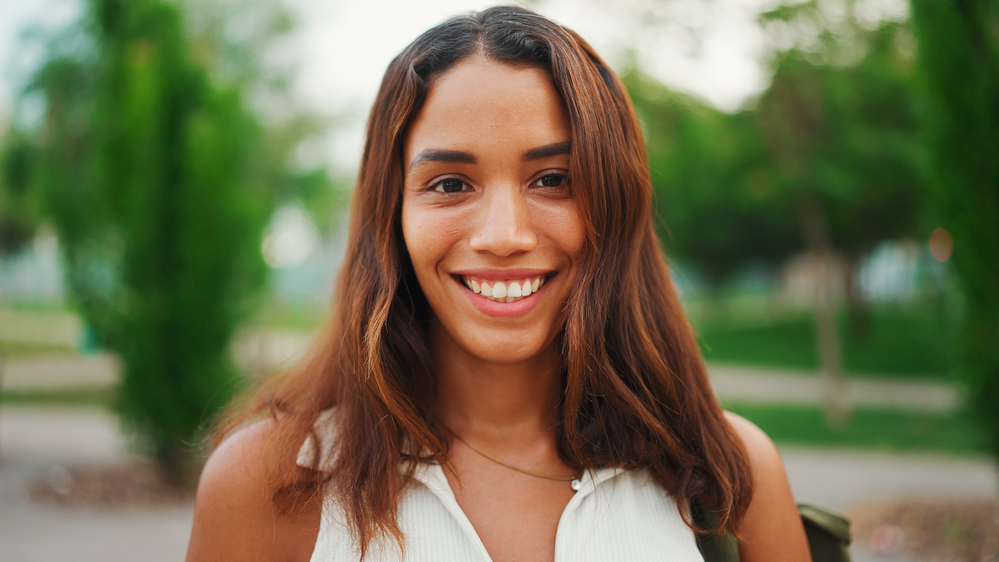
[
  {"x": 514, "y": 290},
  {"x": 499, "y": 290},
  {"x": 505, "y": 291}
]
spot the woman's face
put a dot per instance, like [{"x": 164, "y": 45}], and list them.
[{"x": 487, "y": 213}]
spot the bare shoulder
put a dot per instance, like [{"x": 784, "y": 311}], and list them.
[
  {"x": 762, "y": 451},
  {"x": 235, "y": 517},
  {"x": 772, "y": 529}
]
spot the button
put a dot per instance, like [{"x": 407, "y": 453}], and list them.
[{"x": 576, "y": 484}]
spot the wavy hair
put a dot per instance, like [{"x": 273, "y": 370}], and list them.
[{"x": 636, "y": 392}]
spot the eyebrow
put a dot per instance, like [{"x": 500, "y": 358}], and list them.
[
  {"x": 439, "y": 155},
  {"x": 546, "y": 151},
  {"x": 459, "y": 157}
]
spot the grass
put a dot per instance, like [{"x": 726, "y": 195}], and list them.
[
  {"x": 897, "y": 342},
  {"x": 96, "y": 396},
  {"x": 869, "y": 428},
  {"x": 18, "y": 350}
]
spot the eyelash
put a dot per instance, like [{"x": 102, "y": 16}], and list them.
[{"x": 438, "y": 185}]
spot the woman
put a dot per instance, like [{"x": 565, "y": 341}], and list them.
[{"x": 508, "y": 374}]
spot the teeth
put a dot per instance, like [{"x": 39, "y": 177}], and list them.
[
  {"x": 499, "y": 289},
  {"x": 504, "y": 291},
  {"x": 514, "y": 290}
]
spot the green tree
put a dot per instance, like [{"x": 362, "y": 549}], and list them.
[
  {"x": 958, "y": 50},
  {"x": 153, "y": 175},
  {"x": 828, "y": 161},
  {"x": 20, "y": 210}
]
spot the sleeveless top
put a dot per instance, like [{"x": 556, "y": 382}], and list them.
[{"x": 615, "y": 515}]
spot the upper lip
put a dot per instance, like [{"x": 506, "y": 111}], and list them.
[{"x": 504, "y": 274}]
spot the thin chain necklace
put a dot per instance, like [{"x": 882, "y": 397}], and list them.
[{"x": 572, "y": 480}]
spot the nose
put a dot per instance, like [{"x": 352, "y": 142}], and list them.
[{"x": 503, "y": 224}]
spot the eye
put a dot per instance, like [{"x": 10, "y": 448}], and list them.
[
  {"x": 552, "y": 180},
  {"x": 449, "y": 185}
]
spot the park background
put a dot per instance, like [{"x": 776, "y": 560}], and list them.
[{"x": 176, "y": 174}]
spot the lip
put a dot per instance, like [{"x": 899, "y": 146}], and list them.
[{"x": 504, "y": 309}]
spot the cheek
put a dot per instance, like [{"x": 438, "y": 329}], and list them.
[
  {"x": 568, "y": 230},
  {"x": 428, "y": 235}
]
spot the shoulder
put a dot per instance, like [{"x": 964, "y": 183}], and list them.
[
  {"x": 235, "y": 517},
  {"x": 771, "y": 529},
  {"x": 763, "y": 454}
]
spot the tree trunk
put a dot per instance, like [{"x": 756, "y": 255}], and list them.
[{"x": 836, "y": 398}]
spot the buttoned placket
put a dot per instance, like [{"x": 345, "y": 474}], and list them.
[{"x": 432, "y": 476}]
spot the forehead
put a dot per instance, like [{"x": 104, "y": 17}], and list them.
[{"x": 482, "y": 103}]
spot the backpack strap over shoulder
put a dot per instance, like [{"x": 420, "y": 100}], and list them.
[{"x": 828, "y": 535}]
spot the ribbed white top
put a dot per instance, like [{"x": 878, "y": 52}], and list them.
[{"x": 615, "y": 515}]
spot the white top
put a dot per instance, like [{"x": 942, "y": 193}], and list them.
[{"x": 615, "y": 515}]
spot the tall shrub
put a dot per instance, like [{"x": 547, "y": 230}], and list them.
[
  {"x": 150, "y": 173},
  {"x": 958, "y": 52}
]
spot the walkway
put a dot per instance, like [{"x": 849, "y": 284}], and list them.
[
  {"x": 769, "y": 386},
  {"x": 33, "y": 439},
  {"x": 735, "y": 383}
]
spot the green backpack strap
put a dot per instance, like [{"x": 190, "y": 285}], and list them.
[{"x": 828, "y": 535}]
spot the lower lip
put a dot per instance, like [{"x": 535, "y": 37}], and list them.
[{"x": 503, "y": 309}]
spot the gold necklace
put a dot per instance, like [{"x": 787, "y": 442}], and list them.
[{"x": 572, "y": 480}]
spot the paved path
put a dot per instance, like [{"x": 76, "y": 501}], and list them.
[
  {"x": 749, "y": 384},
  {"x": 32, "y": 439},
  {"x": 60, "y": 371}
]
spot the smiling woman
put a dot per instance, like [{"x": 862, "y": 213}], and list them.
[{"x": 508, "y": 374}]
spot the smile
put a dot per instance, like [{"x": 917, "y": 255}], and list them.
[{"x": 511, "y": 290}]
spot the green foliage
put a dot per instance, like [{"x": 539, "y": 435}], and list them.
[
  {"x": 154, "y": 176},
  {"x": 709, "y": 182},
  {"x": 833, "y": 143},
  {"x": 20, "y": 211},
  {"x": 959, "y": 63}
]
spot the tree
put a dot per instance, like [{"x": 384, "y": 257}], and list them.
[
  {"x": 958, "y": 51},
  {"x": 829, "y": 161},
  {"x": 152, "y": 173},
  {"x": 20, "y": 210}
]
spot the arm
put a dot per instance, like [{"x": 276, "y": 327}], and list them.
[
  {"x": 234, "y": 517},
  {"x": 771, "y": 530}
]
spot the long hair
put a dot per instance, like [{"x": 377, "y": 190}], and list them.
[{"x": 636, "y": 392}]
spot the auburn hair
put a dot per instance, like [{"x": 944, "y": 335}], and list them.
[{"x": 636, "y": 391}]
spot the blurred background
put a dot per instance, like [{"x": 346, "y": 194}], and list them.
[{"x": 174, "y": 176}]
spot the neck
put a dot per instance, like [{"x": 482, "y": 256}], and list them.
[{"x": 489, "y": 401}]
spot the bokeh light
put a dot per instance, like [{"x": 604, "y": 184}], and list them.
[{"x": 941, "y": 244}]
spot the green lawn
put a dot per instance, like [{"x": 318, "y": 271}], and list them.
[
  {"x": 99, "y": 396},
  {"x": 18, "y": 350},
  {"x": 896, "y": 430},
  {"x": 904, "y": 343}
]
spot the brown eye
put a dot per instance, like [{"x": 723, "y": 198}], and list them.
[
  {"x": 450, "y": 185},
  {"x": 552, "y": 180}
]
